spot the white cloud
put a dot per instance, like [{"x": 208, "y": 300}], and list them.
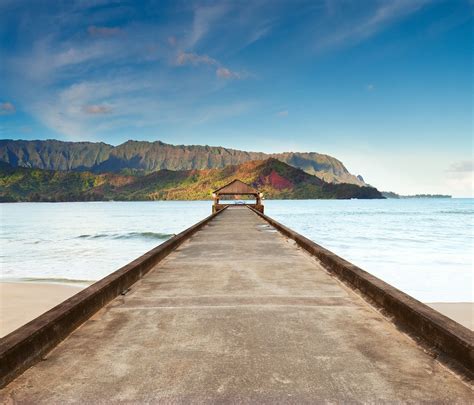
[
  {"x": 189, "y": 58},
  {"x": 359, "y": 29},
  {"x": 185, "y": 58},
  {"x": 60, "y": 68},
  {"x": 73, "y": 61},
  {"x": 225, "y": 73},
  {"x": 63, "y": 109},
  {"x": 204, "y": 19},
  {"x": 48, "y": 60}
]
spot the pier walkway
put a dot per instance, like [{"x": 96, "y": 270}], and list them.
[{"x": 237, "y": 313}]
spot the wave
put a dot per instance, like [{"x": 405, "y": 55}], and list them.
[
  {"x": 129, "y": 235},
  {"x": 52, "y": 280},
  {"x": 457, "y": 212}
]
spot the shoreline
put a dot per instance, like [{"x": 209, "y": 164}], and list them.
[{"x": 210, "y": 200}]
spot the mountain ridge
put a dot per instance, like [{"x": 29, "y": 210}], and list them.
[
  {"x": 99, "y": 157},
  {"x": 274, "y": 178}
]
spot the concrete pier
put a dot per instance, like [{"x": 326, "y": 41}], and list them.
[{"x": 238, "y": 313}]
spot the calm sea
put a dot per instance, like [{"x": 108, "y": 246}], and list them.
[{"x": 425, "y": 247}]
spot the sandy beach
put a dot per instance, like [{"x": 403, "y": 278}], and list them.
[
  {"x": 22, "y": 302},
  {"x": 461, "y": 312}
]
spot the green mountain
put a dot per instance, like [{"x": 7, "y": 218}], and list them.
[
  {"x": 133, "y": 156},
  {"x": 275, "y": 179}
]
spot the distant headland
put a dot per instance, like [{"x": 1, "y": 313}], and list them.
[{"x": 391, "y": 194}]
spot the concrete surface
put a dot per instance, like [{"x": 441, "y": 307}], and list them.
[{"x": 237, "y": 313}]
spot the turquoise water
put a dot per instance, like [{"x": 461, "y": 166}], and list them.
[{"x": 425, "y": 247}]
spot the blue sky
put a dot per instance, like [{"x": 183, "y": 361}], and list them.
[{"x": 384, "y": 86}]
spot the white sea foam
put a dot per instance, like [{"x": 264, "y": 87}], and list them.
[{"x": 423, "y": 246}]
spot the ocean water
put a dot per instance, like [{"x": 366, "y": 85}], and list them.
[{"x": 424, "y": 247}]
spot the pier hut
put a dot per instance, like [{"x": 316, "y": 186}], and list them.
[{"x": 236, "y": 189}]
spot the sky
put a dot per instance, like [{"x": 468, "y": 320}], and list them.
[{"x": 385, "y": 86}]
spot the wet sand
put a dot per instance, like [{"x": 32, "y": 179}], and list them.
[{"x": 22, "y": 302}]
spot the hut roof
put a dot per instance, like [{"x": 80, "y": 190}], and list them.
[{"x": 236, "y": 187}]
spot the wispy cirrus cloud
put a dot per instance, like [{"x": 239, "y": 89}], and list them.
[
  {"x": 225, "y": 73},
  {"x": 52, "y": 60},
  {"x": 189, "y": 58},
  {"x": 204, "y": 19},
  {"x": 107, "y": 55},
  {"x": 379, "y": 16},
  {"x": 63, "y": 109},
  {"x": 283, "y": 113},
  {"x": 186, "y": 58}
]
